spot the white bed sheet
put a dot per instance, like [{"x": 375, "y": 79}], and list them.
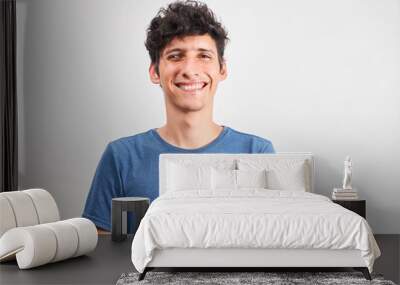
[{"x": 250, "y": 218}]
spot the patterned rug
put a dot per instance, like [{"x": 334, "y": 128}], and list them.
[{"x": 269, "y": 278}]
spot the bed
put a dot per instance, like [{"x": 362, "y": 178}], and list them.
[{"x": 245, "y": 211}]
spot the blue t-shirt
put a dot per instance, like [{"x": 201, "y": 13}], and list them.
[{"x": 129, "y": 167}]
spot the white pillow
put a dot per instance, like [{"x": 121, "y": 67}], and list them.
[
  {"x": 282, "y": 174},
  {"x": 188, "y": 177},
  {"x": 287, "y": 179},
  {"x": 251, "y": 178},
  {"x": 223, "y": 179},
  {"x": 235, "y": 179}
]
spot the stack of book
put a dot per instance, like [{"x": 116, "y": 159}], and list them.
[{"x": 344, "y": 194}]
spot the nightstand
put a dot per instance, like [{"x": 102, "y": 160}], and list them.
[
  {"x": 357, "y": 206},
  {"x": 137, "y": 205}
]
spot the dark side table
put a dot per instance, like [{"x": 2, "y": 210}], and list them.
[
  {"x": 357, "y": 206},
  {"x": 136, "y": 205}
]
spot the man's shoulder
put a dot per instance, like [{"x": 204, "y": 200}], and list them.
[
  {"x": 127, "y": 143},
  {"x": 260, "y": 144},
  {"x": 139, "y": 137},
  {"x": 249, "y": 136}
]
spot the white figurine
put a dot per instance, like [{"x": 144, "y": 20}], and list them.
[{"x": 347, "y": 173}]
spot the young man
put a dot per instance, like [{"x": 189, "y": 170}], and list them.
[{"x": 186, "y": 46}]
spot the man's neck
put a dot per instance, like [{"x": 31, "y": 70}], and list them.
[{"x": 190, "y": 135}]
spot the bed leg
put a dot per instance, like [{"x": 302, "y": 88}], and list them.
[
  {"x": 364, "y": 271},
  {"x": 143, "y": 274}
]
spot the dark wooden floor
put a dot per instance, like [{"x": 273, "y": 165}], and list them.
[{"x": 110, "y": 260}]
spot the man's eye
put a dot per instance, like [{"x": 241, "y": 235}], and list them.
[
  {"x": 205, "y": 56},
  {"x": 174, "y": 57}
]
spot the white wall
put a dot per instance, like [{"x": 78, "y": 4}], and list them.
[{"x": 311, "y": 75}]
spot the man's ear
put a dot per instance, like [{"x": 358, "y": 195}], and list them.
[
  {"x": 223, "y": 71},
  {"x": 154, "y": 77}
]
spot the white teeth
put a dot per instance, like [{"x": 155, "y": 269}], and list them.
[{"x": 196, "y": 86}]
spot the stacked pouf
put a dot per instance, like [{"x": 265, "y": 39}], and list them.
[{"x": 31, "y": 230}]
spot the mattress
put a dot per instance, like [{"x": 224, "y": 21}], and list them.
[{"x": 251, "y": 219}]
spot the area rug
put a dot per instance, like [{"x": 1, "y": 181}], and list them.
[{"x": 269, "y": 278}]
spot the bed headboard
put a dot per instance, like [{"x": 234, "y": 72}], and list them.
[{"x": 215, "y": 158}]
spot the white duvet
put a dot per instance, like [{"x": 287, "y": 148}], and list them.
[{"x": 251, "y": 218}]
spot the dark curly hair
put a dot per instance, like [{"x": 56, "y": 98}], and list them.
[{"x": 180, "y": 19}]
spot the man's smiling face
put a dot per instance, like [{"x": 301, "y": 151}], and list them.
[{"x": 189, "y": 72}]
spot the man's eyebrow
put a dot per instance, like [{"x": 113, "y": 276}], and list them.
[
  {"x": 180, "y": 50},
  {"x": 172, "y": 50},
  {"x": 204, "y": 49}
]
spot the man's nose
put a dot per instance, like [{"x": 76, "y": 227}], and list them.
[{"x": 190, "y": 68}]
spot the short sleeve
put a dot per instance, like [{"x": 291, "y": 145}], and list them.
[
  {"x": 268, "y": 148},
  {"x": 106, "y": 184}
]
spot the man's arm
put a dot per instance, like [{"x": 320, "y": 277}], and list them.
[{"x": 106, "y": 185}]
